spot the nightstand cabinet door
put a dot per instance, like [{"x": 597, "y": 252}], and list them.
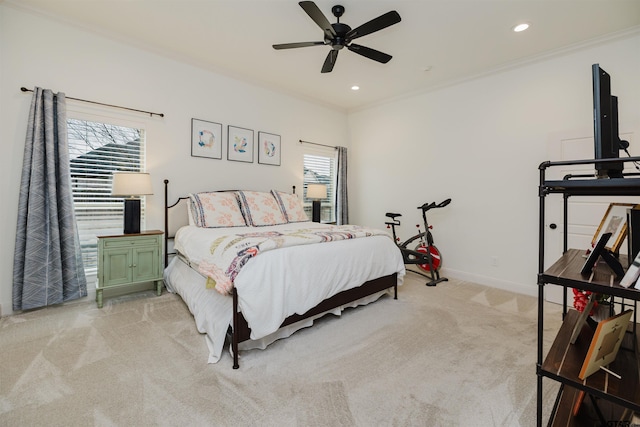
[
  {"x": 146, "y": 263},
  {"x": 117, "y": 268},
  {"x": 129, "y": 259}
]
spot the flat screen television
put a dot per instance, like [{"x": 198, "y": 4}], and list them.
[{"x": 607, "y": 141}]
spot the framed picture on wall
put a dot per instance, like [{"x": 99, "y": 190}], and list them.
[
  {"x": 614, "y": 222},
  {"x": 206, "y": 139},
  {"x": 239, "y": 144},
  {"x": 268, "y": 148}
]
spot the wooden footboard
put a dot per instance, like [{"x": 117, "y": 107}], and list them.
[{"x": 241, "y": 331}]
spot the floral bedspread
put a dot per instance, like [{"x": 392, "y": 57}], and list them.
[{"x": 229, "y": 253}]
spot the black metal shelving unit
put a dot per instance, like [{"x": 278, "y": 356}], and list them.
[{"x": 608, "y": 398}]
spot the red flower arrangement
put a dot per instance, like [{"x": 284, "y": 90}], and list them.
[{"x": 581, "y": 298}]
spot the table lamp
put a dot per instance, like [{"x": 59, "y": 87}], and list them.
[
  {"x": 130, "y": 185},
  {"x": 316, "y": 192}
]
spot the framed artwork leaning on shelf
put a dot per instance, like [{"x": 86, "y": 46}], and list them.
[
  {"x": 605, "y": 343},
  {"x": 601, "y": 251},
  {"x": 631, "y": 276},
  {"x": 595, "y": 254},
  {"x": 583, "y": 318},
  {"x": 614, "y": 222}
]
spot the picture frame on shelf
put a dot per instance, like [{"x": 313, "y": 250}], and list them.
[
  {"x": 582, "y": 319},
  {"x": 239, "y": 144},
  {"x": 614, "y": 221},
  {"x": 269, "y": 148},
  {"x": 206, "y": 139},
  {"x": 633, "y": 272},
  {"x": 596, "y": 252},
  {"x": 605, "y": 343}
]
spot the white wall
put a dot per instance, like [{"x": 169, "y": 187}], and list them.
[
  {"x": 37, "y": 51},
  {"x": 480, "y": 143}
]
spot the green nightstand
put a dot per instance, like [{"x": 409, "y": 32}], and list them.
[{"x": 129, "y": 259}]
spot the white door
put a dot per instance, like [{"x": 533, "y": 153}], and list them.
[{"x": 585, "y": 212}]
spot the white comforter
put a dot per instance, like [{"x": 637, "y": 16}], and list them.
[{"x": 289, "y": 280}]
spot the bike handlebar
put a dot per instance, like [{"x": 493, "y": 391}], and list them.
[{"x": 433, "y": 205}]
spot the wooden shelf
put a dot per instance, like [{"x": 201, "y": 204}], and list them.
[
  {"x": 586, "y": 415},
  {"x": 566, "y": 272},
  {"x": 564, "y": 361}
]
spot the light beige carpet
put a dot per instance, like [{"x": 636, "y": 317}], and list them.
[{"x": 458, "y": 354}]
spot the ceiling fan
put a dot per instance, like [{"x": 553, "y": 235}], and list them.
[{"x": 340, "y": 35}]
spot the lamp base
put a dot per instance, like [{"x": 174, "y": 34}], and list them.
[
  {"x": 315, "y": 211},
  {"x": 131, "y": 216}
]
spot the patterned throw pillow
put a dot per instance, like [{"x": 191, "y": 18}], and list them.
[
  {"x": 291, "y": 206},
  {"x": 216, "y": 209},
  {"x": 260, "y": 208}
]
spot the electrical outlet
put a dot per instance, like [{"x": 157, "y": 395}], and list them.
[{"x": 495, "y": 261}]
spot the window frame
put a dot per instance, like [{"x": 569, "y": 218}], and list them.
[
  {"x": 113, "y": 119},
  {"x": 330, "y": 200}
]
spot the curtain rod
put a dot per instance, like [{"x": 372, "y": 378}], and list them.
[
  {"x": 315, "y": 143},
  {"x": 24, "y": 89}
]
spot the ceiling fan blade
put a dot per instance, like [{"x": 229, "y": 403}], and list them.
[
  {"x": 294, "y": 45},
  {"x": 319, "y": 18},
  {"x": 330, "y": 61},
  {"x": 376, "y": 24},
  {"x": 367, "y": 52}
]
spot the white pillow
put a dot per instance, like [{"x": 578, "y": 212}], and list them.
[
  {"x": 260, "y": 208},
  {"x": 190, "y": 210},
  {"x": 216, "y": 209},
  {"x": 291, "y": 206}
]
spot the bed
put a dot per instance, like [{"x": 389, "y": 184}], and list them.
[{"x": 251, "y": 266}]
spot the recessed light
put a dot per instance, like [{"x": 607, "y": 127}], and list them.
[
  {"x": 355, "y": 87},
  {"x": 521, "y": 27}
]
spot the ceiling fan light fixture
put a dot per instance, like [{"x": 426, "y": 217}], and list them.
[
  {"x": 521, "y": 27},
  {"x": 340, "y": 35},
  {"x": 355, "y": 87}
]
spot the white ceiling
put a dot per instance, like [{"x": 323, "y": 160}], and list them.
[{"x": 454, "y": 39}]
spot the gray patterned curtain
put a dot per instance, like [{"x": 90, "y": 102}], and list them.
[
  {"x": 342, "y": 205},
  {"x": 47, "y": 264}
]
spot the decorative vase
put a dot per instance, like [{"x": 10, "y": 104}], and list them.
[{"x": 602, "y": 312}]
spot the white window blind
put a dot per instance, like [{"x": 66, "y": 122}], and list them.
[
  {"x": 320, "y": 168},
  {"x": 96, "y": 150}
]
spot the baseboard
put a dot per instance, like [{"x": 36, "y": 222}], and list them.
[{"x": 518, "y": 288}]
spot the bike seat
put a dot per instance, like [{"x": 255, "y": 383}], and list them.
[{"x": 392, "y": 215}]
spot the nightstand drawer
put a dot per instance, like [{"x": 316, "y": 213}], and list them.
[{"x": 115, "y": 242}]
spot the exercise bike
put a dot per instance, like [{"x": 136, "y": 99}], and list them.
[{"x": 419, "y": 250}]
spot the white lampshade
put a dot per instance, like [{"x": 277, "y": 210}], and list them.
[
  {"x": 316, "y": 191},
  {"x": 131, "y": 184}
]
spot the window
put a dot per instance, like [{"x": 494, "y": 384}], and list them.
[
  {"x": 96, "y": 150},
  {"x": 320, "y": 168}
]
